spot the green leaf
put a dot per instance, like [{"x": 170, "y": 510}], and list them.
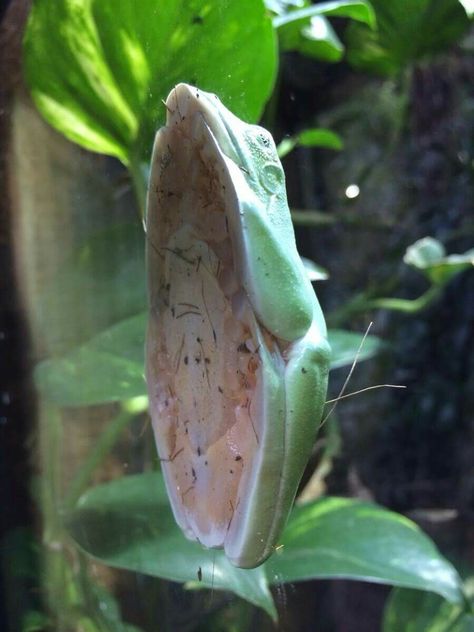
[
  {"x": 35, "y": 621},
  {"x": 108, "y": 368},
  {"x": 319, "y": 137},
  {"x": 345, "y": 346},
  {"x": 309, "y": 32},
  {"x": 407, "y": 32},
  {"x": 411, "y": 611},
  {"x": 285, "y": 146},
  {"x": 313, "y": 137},
  {"x": 331, "y": 538},
  {"x": 424, "y": 253},
  {"x": 145, "y": 538},
  {"x": 98, "y": 69},
  {"x": 313, "y": 37},
  {"x": 344, "y": 538},
  {"x": 317, "y": 39},
  {"x": 356, "y": 9},
  {"x": 314, "y": 271},
  {"x": 282, "y": 6},
  {"x": 429, "y": 256}
]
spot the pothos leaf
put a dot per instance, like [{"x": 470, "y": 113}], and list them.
[
  {"x": 145, "y": 539},
  {"x": 312, "y": 137},
  {"x": 332, "y": 537},
  {"x": 308, "y": 31},
  {"x": 98, "y": 69},
  {"x": 342, "y": 537},
  {"x": 407, "y": 32}
]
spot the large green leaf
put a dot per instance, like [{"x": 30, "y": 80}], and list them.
[
  {"x": 341, "y": 537},
  {"x": 408, "y": 30},
  {"x": 128, "y": 523},
  {"x": 98, "y": 69},
  {"x": 110, "y": 366},
  {"x": 412, "y": 611}
]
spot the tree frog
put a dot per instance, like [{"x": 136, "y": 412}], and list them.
[{"x": 237, "y": 353}]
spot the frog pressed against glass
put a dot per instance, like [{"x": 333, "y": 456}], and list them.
[{"x": 237, "y": 355}]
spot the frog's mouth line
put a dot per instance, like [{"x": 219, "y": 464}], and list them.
[
  {"x": 204, "y": 346},
  {"x": 191, "y": 101}
]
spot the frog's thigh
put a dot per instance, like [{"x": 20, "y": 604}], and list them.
[{"x": 306, "y": 379}]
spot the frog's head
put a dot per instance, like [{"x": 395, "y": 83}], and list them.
[{"x": 250, "y": 147}]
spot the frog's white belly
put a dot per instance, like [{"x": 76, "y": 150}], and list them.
[{"x": 205, "y": 389}]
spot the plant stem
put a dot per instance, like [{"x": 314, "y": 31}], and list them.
[
  {"x": 102, "y": 447},
  {"x": 362, "y": 303},
  {"x": 408, "y": 306},
  {"x": 319, "y": 218},
  {"x": 55, "y": 568}
]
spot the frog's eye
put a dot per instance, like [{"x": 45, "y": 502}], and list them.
[{"x": 272, "y": 178}]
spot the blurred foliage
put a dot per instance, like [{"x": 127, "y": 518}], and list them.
[
  {"x": 314, "y": 271},
  {"x": 408, "y": 31},
  {"x": 315, "y": 137},
  {"x": 410, "y": 611},
  {"x": 304, "y": 27},
  {"x": 429, "y": 256},
  {"x": 103, "y": 274}
]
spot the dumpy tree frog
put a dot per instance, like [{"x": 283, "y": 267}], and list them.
[{"x": 237, "y": 356}]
